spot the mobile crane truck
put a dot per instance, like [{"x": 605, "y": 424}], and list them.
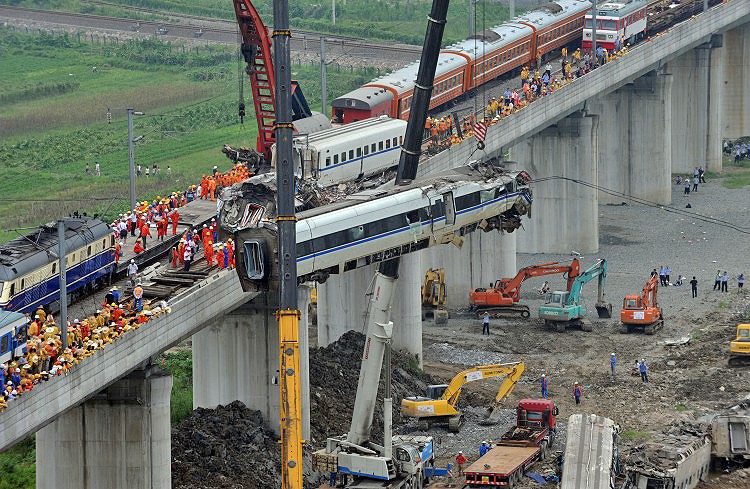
[
  {"x": 564, "y": 308},
  {"x": 440, "y": 405},
  {"x": 502, "y": 298},
  {"x": 525, "y": 443}
]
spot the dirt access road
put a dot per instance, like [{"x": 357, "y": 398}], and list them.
[{"x": 686, "y": 382}]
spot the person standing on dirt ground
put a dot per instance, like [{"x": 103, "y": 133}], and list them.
[
  {"x": 544, "y": 385},
  {"x": 613, "y": 364},
  {"x": 717, "y": 280},
  {"x": 740, "y": 281},
  {"x": 577, "y": 393},
  {"x": 643, "y": 369},
  {"x": 694, "y": 287},
  {"x": 725, "y": 282},
  {"x": 486, "y": 323},
  {"x": 460, "y": 461},
  {"x": 701, "y": 173}
]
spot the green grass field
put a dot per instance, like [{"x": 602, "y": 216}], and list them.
[
  {"x": 396, "y": 20},
  {"x": 53, "y": 120}
]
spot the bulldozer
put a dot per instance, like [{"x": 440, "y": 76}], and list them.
[
  {"x": 434, "y": 296},
  {"x": 440, "y": 404},
  {"x": 642, "y": 311},
  {"x": 739, "y": 348}
]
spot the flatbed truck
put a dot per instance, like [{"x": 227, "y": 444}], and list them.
[{"x": 521, "y": 446}]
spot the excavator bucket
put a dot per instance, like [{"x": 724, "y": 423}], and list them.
[{"x": 604, "y": 309}]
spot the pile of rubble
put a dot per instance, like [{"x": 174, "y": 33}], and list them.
[
  {"x": 230, "y": 447},
  {"x": 334, "y": 374}
]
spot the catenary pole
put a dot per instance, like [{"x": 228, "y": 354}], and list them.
[{"x": 63, "y": 283}]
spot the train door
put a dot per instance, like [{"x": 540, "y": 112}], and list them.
[
  {"x": 450, "y": 209},
  {"x": 437, "y": 213}
]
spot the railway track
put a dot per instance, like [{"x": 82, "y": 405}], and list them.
[{"x": 224, "y": 32}]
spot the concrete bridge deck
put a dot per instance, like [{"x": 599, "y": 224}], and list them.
[
  {"x": 641, "y": 59},
  {"x": 191, "y": 310}
]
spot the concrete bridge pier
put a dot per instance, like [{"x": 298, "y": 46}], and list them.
[
  {"x": 483, "y": 258},
  {"x": 635, "y": 146},
  {"x": 342, "y": 304},
  {"x": 236, "y": 357},
  {"x": 565, "y": 216},
  {"x": 697, "y": 107},
  {"x": 735, "y": 115},
  {"x": 119, "y": 439}
]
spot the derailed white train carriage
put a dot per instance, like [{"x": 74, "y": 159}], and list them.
[
  {"x": 346, "y": 153},
  {"x": 376, "y": 225}
]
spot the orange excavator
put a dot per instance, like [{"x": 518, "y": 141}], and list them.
[
  {"x": 503, "y": 297},
  {"x": 642, "y": 311}
]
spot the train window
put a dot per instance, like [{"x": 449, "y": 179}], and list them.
[
  {"x": 466, "y": 201},
  {"x": 335, "y": 159},
  {"x": 5, "y": 343},
  {"x": 437, "y": 209},
  {"x": 356, "y": 233},
  {"x": 372, "y": 147},
  {"x": 54, "y": 267},
  {"x": 88, "y": 251},
  {"x": 351, "y": 154},
  {"x": 343, "y": 157},
  {"x": 610, "y": 25},
  {"x": 304, "y": 248},
  {"x": 387, "y": 143},
  {"x": 395, "y": 143},
  {"x": 12, "y": 289},
  {"x": 328, "y": 161},
  {"x": 380, "y": 146},
  {"x": 359, "y": 152},
  {"x": 366, "y": 148},
  {"x": 400, "y": 140},
  {"x": 23, "y": 283},
  {"x": 486, "y": 195}
]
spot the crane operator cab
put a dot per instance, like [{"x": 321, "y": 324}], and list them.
[{"x": 407, "y": 458}]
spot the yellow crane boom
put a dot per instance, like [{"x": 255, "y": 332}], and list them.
[{"x": 440, "y": 405}]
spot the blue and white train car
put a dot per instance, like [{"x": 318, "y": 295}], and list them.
[
  {"x": 377, "y": 225},
  {"x": 13, "y": 334},
  {"x": 346, "y": 153},
  {"x": 29, "y": 273}
]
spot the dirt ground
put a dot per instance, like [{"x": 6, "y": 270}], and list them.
[{"x": 687, "y": 382}]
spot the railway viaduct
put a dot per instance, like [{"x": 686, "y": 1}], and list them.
[{"x": 627, "y": 126}]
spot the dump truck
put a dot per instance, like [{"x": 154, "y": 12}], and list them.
[{"x": 525, "y": 443}]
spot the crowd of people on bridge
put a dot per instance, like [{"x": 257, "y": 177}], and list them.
[
  {"x": 162, "y": 214},
  {"x": 45, "y": 357},
  {"x": 440, "y": 133}
]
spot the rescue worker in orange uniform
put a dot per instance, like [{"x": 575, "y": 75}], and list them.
[
  {"x": 175, "y": 257},
  {"x": 138, "y": 248},
  {"x": 118, "y": 250},
  {"x": 230, "y": 253},
  {"x": 161, "y": 229},
  {"x": 145, "y": 232},
  {"x": 208, "y": 252},
  {"x": 174, "y": 217},
  {"x": 220, "y": 257},
  {"x": 212, "y": 188}
]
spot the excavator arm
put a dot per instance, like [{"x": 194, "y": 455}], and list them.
[
  {"x": 597, "y": 271},
  {"x": 649, "y": 292},
  {"x": 512, "y": 371}
]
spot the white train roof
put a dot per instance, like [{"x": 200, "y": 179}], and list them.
[
  {"x": 492, "y": 39},
  {"x": 618, "y": 8},
  {"x": 550, "y": 13}
]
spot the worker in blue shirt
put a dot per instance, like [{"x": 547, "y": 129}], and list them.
[
  {"x": 543, "y": 382},
  {"x": 483, "y": 448},
  {"x": 643, "y": 369},
  {"x": 613, "y": 364}
]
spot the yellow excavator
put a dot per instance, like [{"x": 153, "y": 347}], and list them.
[
  {"x": 433, "y": 296},
  {"x": 739, "y": 348},
  {"x": 440, "y": 405}
]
